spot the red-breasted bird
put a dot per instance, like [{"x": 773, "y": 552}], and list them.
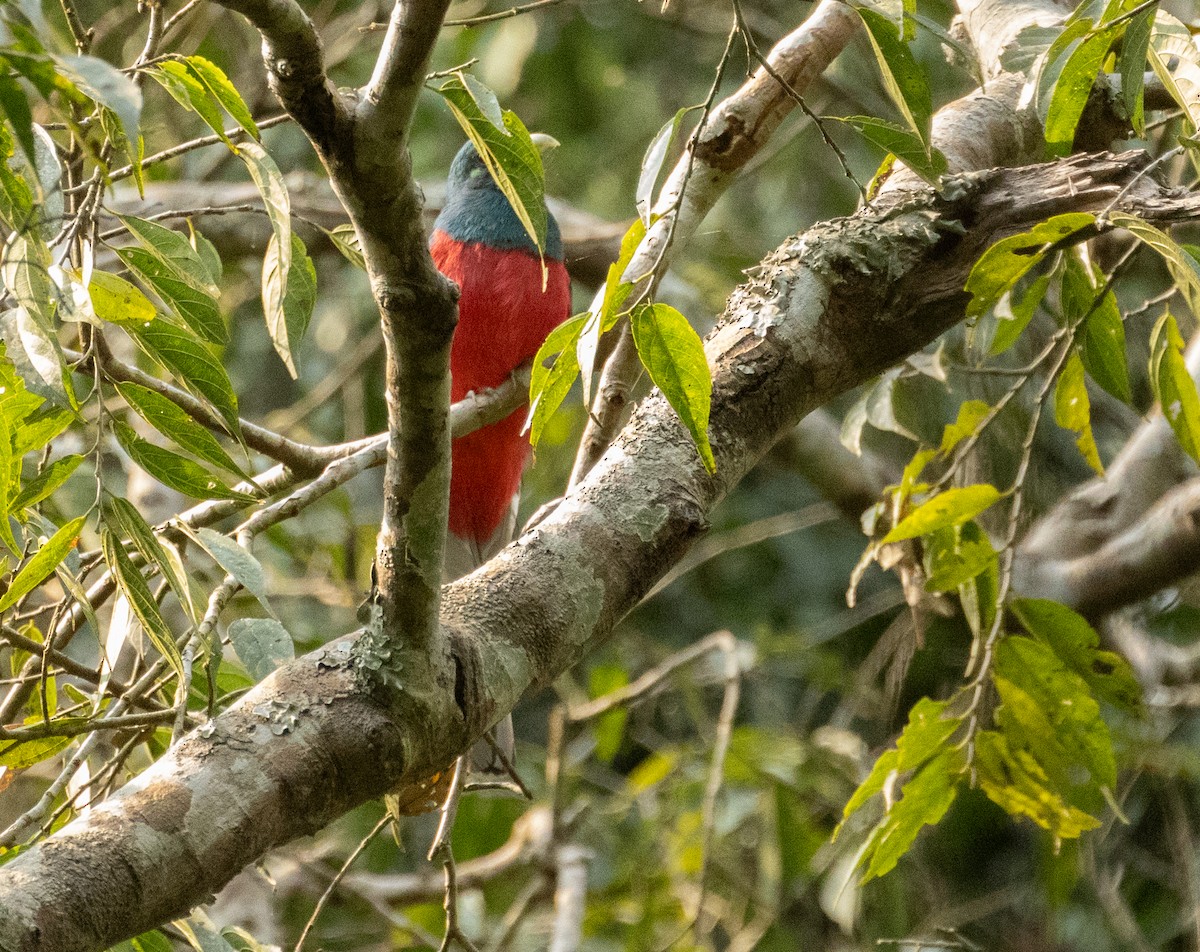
[{"x": 504, "y": 315}]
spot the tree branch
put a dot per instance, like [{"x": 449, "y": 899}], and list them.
[{"x": 826, "y": 311}]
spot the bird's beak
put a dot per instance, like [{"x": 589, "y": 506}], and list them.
[{"x": 543, "y": 142}]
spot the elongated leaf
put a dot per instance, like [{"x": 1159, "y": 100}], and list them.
[
  {"x": 903, "y": 143},
  {"x": 194, "y": 306},
  {"x": 652, "y": 163},
  {"x": 43, "y": 562},
  {"x": 1103, "y": 349},
  {"x": 278, "y": 261},
  {"x": 118, "y": 301},
  {"x": 1015, "y": 315},
  {"x": 133, "y": 586},
  {"x": 1073, "y": 87},
  {"x": 193, "y": 363},
  {"x": 41, "y": 487},
  {"x": 108, "y": 86},
  {"x": 262, "y": 644},
  {"x": 1073, "y": 410},
  {"x": 603, "y": 318},
  {"x": 345, "y": 239},
  {"x": 999, "y": 268},
  {"x": 176, "y": 425},
  {"x": 950, "y": 508},
  {"x": 673, "y": 355},
  {"x": 1133, "y": 62},
  {"x": 1181, "y": 266},
  {"x": 191, "y": 93},
  {"x": 903, "y": 78},
  {"x": 1173, "y": 385},
  {"x": 954, "y": 557},
  {"x": 125, "y": 519},
  {"x": 236, "y": 561},
  {"x": 509, "y": 154},
  {"x": 172, "y": 470},
  {"x": 223, "y": 91},
  {"x": 174, "y": 250},
  {"x": 549, "y": 386},
  {"x": 35, "y": 352},
  {"x": 14, "y": 104},
  {"x": 288, "y": 307},
  {"x": 20, "y": 755}
]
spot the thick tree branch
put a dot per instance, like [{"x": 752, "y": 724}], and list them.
[{"x": 828, "y": 310}]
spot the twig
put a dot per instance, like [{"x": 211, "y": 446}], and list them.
[{"x": 337, "y": 878}]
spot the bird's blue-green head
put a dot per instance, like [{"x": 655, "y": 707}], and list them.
[{"x": 476, "y": 210}]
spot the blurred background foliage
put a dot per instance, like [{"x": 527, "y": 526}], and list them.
[{"x": 818, "y": 701}]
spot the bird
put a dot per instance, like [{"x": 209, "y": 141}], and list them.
[{"x": 507, "y": 307}]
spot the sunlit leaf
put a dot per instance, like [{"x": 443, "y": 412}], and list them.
[
  {"x": 1173, "y": 386},
  {"x": 43, "y": 562},
  {"x": 673, "y": 355},
  {"x": 1073, "y": 410},
  {"x": 172, "y": 470},
  {"x": 288, "y": 301},
  {"x": 509, "y": 153},
  {"x": 134, "y": 587},
  {"x": 950, "y": 508}
]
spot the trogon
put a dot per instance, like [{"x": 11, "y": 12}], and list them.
[{"x": 505, "y": 312}]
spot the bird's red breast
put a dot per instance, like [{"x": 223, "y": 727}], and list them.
[{"x": 504, "y": 315}]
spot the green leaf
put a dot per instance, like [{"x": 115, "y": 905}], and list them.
[
  {"x": 1049, "y": 710},
  {"x": 345, "y": 239},
  {"x": 174, "y": 250},
  {"x": 1073, "y": 410},
  {"x": 125, "y": 519},
  {"x": 108, "y": 86},
  {"x": 193, "y": 363},
  {"x": 223, "y": 91},
  {"x": 20, "y": 755},
  {"x": 971, "y": 413},
  {"x": 176, "y": 425},
  {"x": 1015, "y": 781},
  {"x": 950, "y": 508},
  {"x": 192, "y": 94},
  {"x": 118, "y": 301},
  {"x": 1078, "y": 645},
  {"x": 288, "y": 307},
  {"x": 549, "y": 385},
  {"x": 42, "y": 486},
  {"x": 277, "y": 262},
  {"x": 43, "y": 562},
  {"x": 193, "y": 305},
  {"x": 604, "y": 318},
  {"x": 1181, "y": 266},
  {"x": 907, "y": 146},
  {"x": 37, "y": 356},
  {"x": 39, "y": 428},
  {"x": 673, "y": 355},
  {"x": 235, "y": 560},
  {"x": 954, "y": 556},
  {"x": 903, "y": 77},
  {"x": 652, "y": 163},
  {"x": 25, "y": 270},
  {"x": 1133, "y": 60},
  {"x": 509, "y": 154},
  {"x": 923, "y": 738},
  {"x": 172, "y": 470},
  {"x": 14, "y": 105},
  {"x": 1000, "y": 267},
  {"x": 262, "y": 644},
  {"x": 923, "y": 802},
  {"x": 1173, "y": 386},
  {"x": 133, "y": 586},
  {"x": 609, "y": 728},
  {"x": 1103, "y": 348},
  {"x": 1073, "y": 86}
]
